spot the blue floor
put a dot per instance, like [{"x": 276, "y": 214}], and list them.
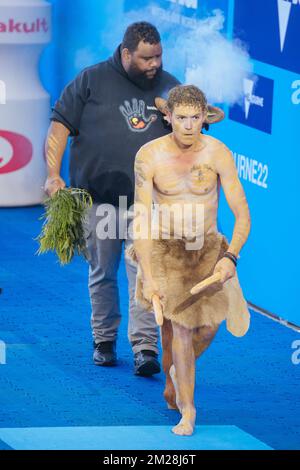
[
  {"x": 129, "y": 438},
  {"x": 247, "y": 389}
]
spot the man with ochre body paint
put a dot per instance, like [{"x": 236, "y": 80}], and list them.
[{"x": 181, "y": 172}]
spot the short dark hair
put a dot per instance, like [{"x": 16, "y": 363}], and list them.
[
  {"x": 141, "y": 31},
  {"x": 188, "y": 95}
]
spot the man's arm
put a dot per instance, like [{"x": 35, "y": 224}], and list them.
[
  {"x": 236, "y": 199},
  {"x": 66, "y": 116},
  {"x": 55, "y": 146},
  {"x": 143, "y": 169},
  {"x": 237, "y": 202}
]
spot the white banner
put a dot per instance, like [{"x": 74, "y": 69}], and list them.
[{"x": 25, "y": 27}]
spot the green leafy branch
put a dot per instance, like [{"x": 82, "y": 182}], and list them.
[{"x": 63, "y": 229}]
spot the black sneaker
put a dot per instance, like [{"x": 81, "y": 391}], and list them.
[
  {"x": 146, "y": 363},
  {"x": 105, "y": 354}
]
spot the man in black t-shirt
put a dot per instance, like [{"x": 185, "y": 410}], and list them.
[{"x": 109, "y": 112}]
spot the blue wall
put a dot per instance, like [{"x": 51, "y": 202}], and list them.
[
  {"x": 264, "y": 141},
  {"x": 268, "y": 139}
]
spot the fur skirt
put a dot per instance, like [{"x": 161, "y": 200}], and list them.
[{"x": 177, "y": 270}]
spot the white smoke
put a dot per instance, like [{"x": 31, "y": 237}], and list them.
[
  {"x": 195, "y": 51},
  {"x": 213, "y": 63}
]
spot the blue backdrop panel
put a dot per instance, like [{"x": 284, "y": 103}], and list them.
[
  {"x": 257, "y": 111},
  {"x": 262, "y": 133},
  {"x": 271, "y": 29}
]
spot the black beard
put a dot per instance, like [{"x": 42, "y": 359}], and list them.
[{"x": 141, "y": 80}]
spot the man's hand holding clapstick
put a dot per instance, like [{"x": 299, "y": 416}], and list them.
[
  {"x": 152, "y": 294},
  {"x": 225, "y": 269}
]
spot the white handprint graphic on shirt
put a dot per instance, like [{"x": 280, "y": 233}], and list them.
[{"x": 135, "y": 115}]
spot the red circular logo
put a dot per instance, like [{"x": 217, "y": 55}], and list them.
[{"x": 15, "y": 151}]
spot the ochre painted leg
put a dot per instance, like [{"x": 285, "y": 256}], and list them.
[
  {"x": 202, "y": 338},
  {"x": 167, "y": 361},
  {"x": 184, "y": 364}
]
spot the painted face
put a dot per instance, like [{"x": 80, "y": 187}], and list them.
[
  {"x": 145, "y": 61},
  {"x": 186, "y": 124}
]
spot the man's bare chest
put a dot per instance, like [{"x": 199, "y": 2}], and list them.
[{"x": 175, "y": 175}]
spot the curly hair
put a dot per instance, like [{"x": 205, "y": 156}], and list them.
[
  {"x": 188, "y": 95},
  {"x": 140, "y": 31}
]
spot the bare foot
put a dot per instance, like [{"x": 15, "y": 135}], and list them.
[{"x": 186, "y": 425}]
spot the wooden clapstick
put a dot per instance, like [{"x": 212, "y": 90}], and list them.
[
  {"x": 206, "y": 283},
  {"x": 157, "y": 310}
]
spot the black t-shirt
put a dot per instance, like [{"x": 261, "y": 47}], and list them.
[{"x": 110, "y": 118}]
